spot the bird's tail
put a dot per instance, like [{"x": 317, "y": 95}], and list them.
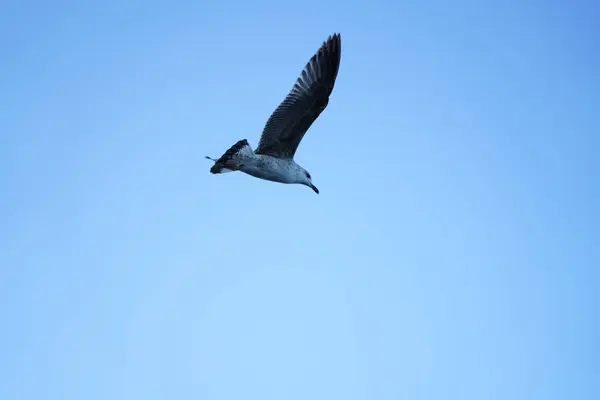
[{"x": 232, "y": 159}]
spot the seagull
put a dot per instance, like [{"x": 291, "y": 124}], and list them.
[{"x": 273, "y": 159}]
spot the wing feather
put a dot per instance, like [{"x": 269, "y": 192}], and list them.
[{"x": 307, "y": 99}]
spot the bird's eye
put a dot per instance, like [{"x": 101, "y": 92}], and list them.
[{"x": 308, "y": 175}]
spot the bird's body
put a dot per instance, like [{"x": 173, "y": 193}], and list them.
[
  {"x": 263, "y": 166},
  {"x": 272, "y": 169},
  {"x": 273, "y": 160}
]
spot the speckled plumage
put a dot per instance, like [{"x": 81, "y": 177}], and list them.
[{"x": 273, "y": 160}]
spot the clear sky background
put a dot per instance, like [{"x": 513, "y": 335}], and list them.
[{"x": 453, "y": 252}]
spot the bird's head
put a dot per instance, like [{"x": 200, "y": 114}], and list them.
[{"x": 305, "y": 179}]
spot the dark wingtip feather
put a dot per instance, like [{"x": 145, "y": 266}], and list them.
[{"x": 329, "y": 56}]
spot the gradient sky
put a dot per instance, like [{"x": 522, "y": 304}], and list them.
[{"x": 453, "y": 252}]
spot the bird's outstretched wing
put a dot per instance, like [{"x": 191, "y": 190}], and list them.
[{"x": 307, "y": 99}]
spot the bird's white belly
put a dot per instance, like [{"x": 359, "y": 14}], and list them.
[{"x": 269, "y": 168}]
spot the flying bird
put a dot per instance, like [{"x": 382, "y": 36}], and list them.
[{"x": 273, "y": 159}]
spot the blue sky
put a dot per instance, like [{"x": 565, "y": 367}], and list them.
[{"x": 452, "y": 252}]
